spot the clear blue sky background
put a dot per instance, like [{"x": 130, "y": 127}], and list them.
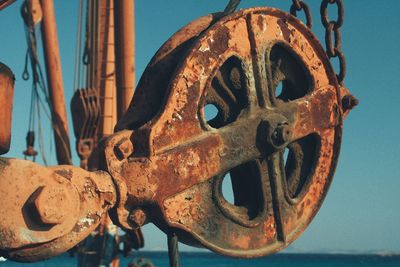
[{"x": 361, "y": 212}]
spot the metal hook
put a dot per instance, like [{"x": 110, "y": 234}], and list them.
[{"x": 25, "y": 74}]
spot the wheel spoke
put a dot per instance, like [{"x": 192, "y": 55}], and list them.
[
  {"x": 262, "y": 74},
  {"x": 314, "y": 113},
  {"x": 277, "y": 176}
]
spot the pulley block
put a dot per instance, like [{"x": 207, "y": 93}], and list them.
[
  {"x": 276, "y": 135},
  {"x": 85, "y": 107}
]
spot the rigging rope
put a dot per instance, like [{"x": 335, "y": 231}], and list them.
[
  {"x": 77, "y": 72},
  {"x": 85, "y": 103},
  {"x": 40, "y": 100}
]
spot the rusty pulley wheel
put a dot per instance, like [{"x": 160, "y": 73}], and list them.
[{"x": 276, "y": 132}]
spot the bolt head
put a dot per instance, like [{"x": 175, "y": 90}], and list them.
[
  {"x": 53, "y": 205},
  {"x": 349, "y": 102},
  {"x": 138, "y": 217},
  {"x": 123, "y": 149},
  {"x": 281, "y": 135}
]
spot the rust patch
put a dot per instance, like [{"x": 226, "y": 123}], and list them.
[
  {"x": 219, "y": 42},
  {"x": 67, "y": 174},
  {"x": 41, "y": 207},
  {"x": 6, "y": 104},
  {"x": 166, "y": 168}
]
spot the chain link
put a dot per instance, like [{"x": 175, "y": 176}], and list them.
[
  {"x": 333, "y": 35},
  {"x": 332, "y": 28},
  {"x": 299, "y": 5}
]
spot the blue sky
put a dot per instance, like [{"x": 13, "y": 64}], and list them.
[{"x": 361, "y": 211}]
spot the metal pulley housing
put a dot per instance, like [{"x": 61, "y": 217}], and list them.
[
  {"x": 277, "y": 133},
  {"x": 6, "y": 103}
]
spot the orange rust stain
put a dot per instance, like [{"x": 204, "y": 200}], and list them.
[
  {"x": 240, "y": 241},
  {"x": 270, "y": 228}
]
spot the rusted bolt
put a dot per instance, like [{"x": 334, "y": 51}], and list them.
[
  {"x": 349, "y": 102},
  {"x": 138, "y": 217},
  {"x": 53, "y": 205},
  {"x": 281, "y": 134},
  {"x": 123, "y": 149}
]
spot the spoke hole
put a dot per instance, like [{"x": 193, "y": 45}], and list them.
[
  {"x": 285, "y": 156},
  {"x": 242, "y": 190},
  {"x": 300, "y": 163},
  {"x": 228, "y": 92},
  {"x": 227, "y": 189},
  {"x": 210, "y": 112},
  {"x": 279, "y": 90},
  {"x": 290, "y": 76}
]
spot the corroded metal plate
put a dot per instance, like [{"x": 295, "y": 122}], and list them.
[{"x": 6, "y": 103}]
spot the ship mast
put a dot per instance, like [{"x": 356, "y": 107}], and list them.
[
  {"x": 55, "y": 82},
  {"x": 124, "y": 21}
]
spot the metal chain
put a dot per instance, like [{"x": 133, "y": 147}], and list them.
[
  {"x": 332, "y": 27},
  {"x": 299, "y": 5}
]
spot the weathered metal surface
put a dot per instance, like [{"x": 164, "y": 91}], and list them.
[
  {"x": 274, "y": 90},
  {"x": 148, "y": 101},
  {"x": 6, "y": 104},
  {"x": 175, "y": 159},
  {"x": 46, "y": 211}
]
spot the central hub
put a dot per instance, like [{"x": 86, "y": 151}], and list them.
[
  {"x": 281, "y": 135},
  {"x": 274, "y": 132}
]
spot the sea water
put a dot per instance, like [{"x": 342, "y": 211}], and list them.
[{"x": 196, "y": 259}]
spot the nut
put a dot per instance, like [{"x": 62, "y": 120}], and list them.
[
  {"x": 138, "y": 218},
  {"x": 281, "y": 135},
  {"x": 53, "y": 205},
  {"x": 123, "y": 149},
  {"x": 349, "y": 102}
]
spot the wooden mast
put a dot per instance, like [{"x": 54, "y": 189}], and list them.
[
  {"x": 106, "y": 73},
  {"x": 55, "y": 82},
  {"x": 124, "y": 21}
]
